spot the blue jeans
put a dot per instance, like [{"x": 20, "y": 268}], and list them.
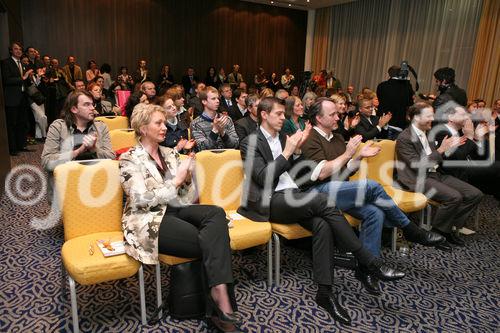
[{"x": 367, "y": 201}]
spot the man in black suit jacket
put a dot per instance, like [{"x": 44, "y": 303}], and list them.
[
  {"x": 15, "y": 80},
  {"x": 240, "y": 110},
  {"x": 449, "y": 91},
  {"x": 371, "y": 126},
  {"x": 422, "y": 173},
  {"x": 227, "y": 101},
  {"x": 247, "y": 125},
  {"x": 395, "y": 96},
  {"x": 189, "y": 82},
  {"x": 270, "y": 194}
]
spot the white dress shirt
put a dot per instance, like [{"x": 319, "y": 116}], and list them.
[{"x": 285, "y": 181}]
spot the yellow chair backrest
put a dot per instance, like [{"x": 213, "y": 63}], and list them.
[
  {"x": 114, "y": 122},
  {"x": 122, "y": 138},
  {"x": 380, "y": 167},
  {"x": 90, "y": 197},
  {"x": 219, "y": 177}
]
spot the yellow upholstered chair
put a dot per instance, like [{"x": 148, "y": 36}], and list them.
[
  {"x": 380, "y": 168},
  {"x": 219, "y": 180},
  {"x": 122, "y": 138},
  {"x": 114, "y": 122},
  {"x": 90, "y": 197}
]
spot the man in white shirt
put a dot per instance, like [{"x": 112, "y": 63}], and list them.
[
  {"x": 270, "y": 194},
  {"x": 422, "y": 173}
]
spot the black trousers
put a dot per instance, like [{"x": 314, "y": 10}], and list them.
[
  {"x": 458, "y": 200},
  {"x": 198, "y": 231},
  {"x": 326, "y": 223},
  {"x": 16, "y": 118}
]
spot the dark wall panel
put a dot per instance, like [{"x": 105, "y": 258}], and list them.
[{"x": 181, "y": 33}]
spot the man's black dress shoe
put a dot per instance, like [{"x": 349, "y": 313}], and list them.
[
  {"x": 384, "y": 273},
  {"x": 368, "y": 281},
  {"x": 426, "y": 238},
  {"x": 333, "y": 307},
  {"x": 26, "y": 150},
  {"x": 13, "y": 153},
  {"x": 444, "y": 246},
  {"x": 451, "y": 238}
]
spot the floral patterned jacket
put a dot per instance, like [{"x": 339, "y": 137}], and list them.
[{"x": 148, "y": 194}]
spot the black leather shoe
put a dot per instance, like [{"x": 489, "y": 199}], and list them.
[
  {"x": 451, "y": 238},
  {"x": 455, "y": 239},
  {"x": 27, "y": 150},
  {"x": 426, "y": 238},
  {"x": 384, "y": 273},
  {"x": 333, "y": 307},
  {"x": 368, "y": 281},
  {"x": 444, "y": 246}
]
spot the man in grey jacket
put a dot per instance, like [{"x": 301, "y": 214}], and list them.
[{"x": 76, "y": 136}]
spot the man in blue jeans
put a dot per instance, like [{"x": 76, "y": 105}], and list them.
[{"x": 365, "y": 200}]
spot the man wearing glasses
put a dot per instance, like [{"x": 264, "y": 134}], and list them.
[{"x": 76, "y": 136}]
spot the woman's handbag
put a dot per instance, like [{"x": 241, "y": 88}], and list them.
[
  {"x": 35, "y": 94},
  {"x": 186, "y": 298}
]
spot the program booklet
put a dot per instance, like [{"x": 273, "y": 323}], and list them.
[{"x": 111, "y": 248}]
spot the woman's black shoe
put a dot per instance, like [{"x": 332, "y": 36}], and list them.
[
  {"x": 225, "y": 322},
  {"x": 332, "y": 306}
]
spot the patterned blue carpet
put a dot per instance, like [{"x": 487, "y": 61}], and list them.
[{"x": 458, "y": 292}]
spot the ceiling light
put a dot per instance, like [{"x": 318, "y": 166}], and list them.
[{"x": 289, "y": 5}]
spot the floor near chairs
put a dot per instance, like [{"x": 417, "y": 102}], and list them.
[{"x": 456, "y": 292}]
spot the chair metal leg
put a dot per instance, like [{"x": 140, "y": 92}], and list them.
[
  {"x": 159, "y": 300},
  {"x": 277, "y": 258},
  {"x": 142, "y": 296},
  {"x": 269, "y": 263},
  {"x": 74, "y": 306},
  {"x": 429, "y": 215},
  {"x": 394, "y": 239}
]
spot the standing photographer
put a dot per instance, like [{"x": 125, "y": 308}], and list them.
[{"x": 395, "y": 96}]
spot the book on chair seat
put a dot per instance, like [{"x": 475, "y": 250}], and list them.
[{"x": 109, "y": 248}]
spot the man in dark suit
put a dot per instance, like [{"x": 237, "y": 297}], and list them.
[
  {"x": 227, "y": 102},
  {"x": 422, "y": 173},
  {"x": 247, "y": 125},
  {"x": 371, "y": 126},
  {"x": 189, "y": 82},
  {"x": 449, "y": 91},
  {"x": 15, "y": 82},
  {"x": 240, "y": 111},
  {"x": 195, "y": 101},
  {"x": 395, "y": 96},
  {"x": 270, "y": 194}
]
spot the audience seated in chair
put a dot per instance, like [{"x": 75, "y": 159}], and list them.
[
  {"x": 371, "y": 126},
  {"x": 366, "y": 199},
  {"x": 159, "y": 216},
  {"x": 212, "y": 130},
  {"x": 270, "y": 194},
  {"x": 422, "y": 172},
  {"x": 247, "y": 125}
]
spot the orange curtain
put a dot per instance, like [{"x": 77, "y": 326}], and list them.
[
  {"x": 321, "y": 41},
  {"x": 484, "y": 80}
]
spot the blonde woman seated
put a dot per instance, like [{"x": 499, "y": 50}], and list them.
[{"x": 159, "y": 218}]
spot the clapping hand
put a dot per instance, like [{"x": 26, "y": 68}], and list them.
[
  {"x": 353, "y": 145},
  {"x": 184, "y": 170},
  {"x": 89, "y": 141},
  {"x": 220, "y": 123},
  {"x": 369, "y": 150},
  {"x": 384, "y": 120},
  {"x": 451, "y": 142}
]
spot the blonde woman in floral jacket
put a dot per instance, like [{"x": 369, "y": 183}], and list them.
[{"x": 159, "y": 218}]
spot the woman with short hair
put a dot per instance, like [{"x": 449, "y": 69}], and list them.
[{"x": 159, "y": 216}]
